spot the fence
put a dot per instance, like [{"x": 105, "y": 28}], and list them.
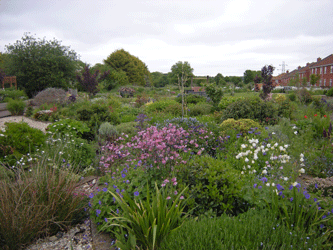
[{"x": 9, "y": 80}]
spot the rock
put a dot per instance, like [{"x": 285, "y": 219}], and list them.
[{"x": 53, "y": 238}]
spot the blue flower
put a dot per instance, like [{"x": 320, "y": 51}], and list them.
[
  {"x": 264, "y": 179},
  {"x": 114, "y": 186},
  {"x": 316, "y": 186},
  {"x": 280, "y": 193},
  {"x": 324, "y": 216},
  {"x": 321, "y": 225},
  {"x": 105, "y": 189},
  {"x": 106, "y": 220},
  {"x": 255, "y": 185},
  {"x": 250, "y": 132},
  {"x": 91, "y": 195},
  {"x": 98, "y": 212},
  {"x": 260, "y": 187},
  {"x": 123, "y": 175},
  {"x": 99, "y": 202},
  {"x": 291, "y": 199},
  {"x": 307, "y": 196},
  {"x": 291, "y": 187},
  {"x": 117, "y": 211},
  {"x": 136, "y": 193}
]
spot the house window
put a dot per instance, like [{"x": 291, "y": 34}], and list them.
[
  {"x": 330, "y": 82},
  {"x": 331, "y": 69},
  {"x": 321, "y": 70},
  {"x": 324, "y": 82},
  {"x": 325, "y": 70},
  {"x": 320, "y": 82}
]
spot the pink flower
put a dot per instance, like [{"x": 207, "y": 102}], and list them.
[
  {"x": 176, "y": 192},
  {"x": 168, "y": 198},
  {"x": 166, "y": 181},
  {"x": 174, "y": 179},
  {"x": 181, "y": 197},
  {"x": 175, "y": 183},
  {"x": 199, "y": 152},
  {"x": 163, "y": 184}
]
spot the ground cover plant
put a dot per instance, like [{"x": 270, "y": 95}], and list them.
[{"x": 165, "y": 181}]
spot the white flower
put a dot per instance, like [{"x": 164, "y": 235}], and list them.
[
  {"x": 246, "y": 160},
  {"x": 268, "y": 145},
  {"x": 295, "y": 183},
  {"x": 273, "y": 133},
  {"x": 255, "y": 156},
  {"x": 295, "y": 132},
  {"x": 302, "y": 170},
  {"x": 281, "y": 148},
  {"x": 268, "y": 184},
  {"x": 2, "y": 135},
  {"x": 254, "y": 171},
  {"x": 276, "y": 144},
  {"x": 243, "y": 146},
  {"x": 301, "y": 155},
  {"x": 301, "y": 159},
  {"x": 286, "y": 146},
  {"x": 285, "y": 178},
  {"x": 264, "y": 171},
  {"x": 294, "y": 127},
  {"x": 248, "y": 166},
  {"x": 273, "y": 184},
  {"x": 242, "y": 172}
]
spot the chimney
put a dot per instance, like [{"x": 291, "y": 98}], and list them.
[
  {"x": 307, "y": 64},
  {"x": 318, "y": 59},
  {"x": 287, "y": 71},
  {"x": 299, "y": 67}
]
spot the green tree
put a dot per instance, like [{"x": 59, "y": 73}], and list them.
[
  {"x": 159, "y": 79},
  {"x": 113, "y": 79},
  {"x": 314, "y": 79},
  {"x": 136, "y": 71},
  {"x": 248, "y": 76},
  {"x": 179, "y": 70},
  {"x": 39, "y": 64},
  {"x": 214, "y": 93},
  {"x": 219, "y": 79}
]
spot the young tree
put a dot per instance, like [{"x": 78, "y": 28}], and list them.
[
  {"x": 214, "y": 93},
  {"x": 39, "y": 64},
  {"x": 178, "y": 70},
  {"x": 314, "y": 79},
  {"x": 89, "y": 82}
]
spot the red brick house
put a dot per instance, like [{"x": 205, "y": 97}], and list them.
[{"x": 323, "y": 67}]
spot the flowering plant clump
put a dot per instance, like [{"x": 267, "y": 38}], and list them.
[
  {"x": 315, "y": 123},
  {"x": 293, "y": 205}
]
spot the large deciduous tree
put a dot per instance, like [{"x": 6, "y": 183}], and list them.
[
  {"x": 136, "y": 71},
  {"x": 39, "y": 64}
]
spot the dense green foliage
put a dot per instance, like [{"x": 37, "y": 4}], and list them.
[
  {"x": 16, "y": 107},
  {"x": 240, "y": 126},
  {"x": 181, "y": 71},
  {"x": 251, "y": 108},
  {"x": 38, "y": 64},
  {"x": 136, "y": 71}
]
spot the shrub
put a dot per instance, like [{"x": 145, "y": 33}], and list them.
[
  {"x": 39, "y": 203},
  {"x": 292, "y": 96},
  {"x": 128, "y": 128},
  {"x": 50, "y": 96},
  {"x": 285, "y": 109},
  {"x": 200, "y": 109},
  {"x": 19, "y": 139},
  {"x": 227, "y": 100},
  {"x": 304, "y": 96},
  {"x": 96, "y": 113},
  {"x": 16, "y": 107},
  {"x": 280, "y": 98},
  {"x": 214, "y": 187},
  {"x": 68, "y": 127},
  {"x": 252, "y": 108},
  {"x": 6, "y": 94},
  {"x": 160, "y": 106},
  {"x": 330, "y": 92},
  {"x": 107, "y": 131},
  {"x": 241, "y": 125},
  {"x": 174, "y": 109},
  {"x": 191, "y": 99}
]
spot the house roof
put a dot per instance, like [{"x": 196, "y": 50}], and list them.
[{"x": 321, "y": 62}]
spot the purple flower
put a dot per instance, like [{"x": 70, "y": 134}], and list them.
[
  {"x": 136, "y": 193},
  {"x": 123, "y": 175},
  {"x": 98, "y": 212},
  {"x": 319, "y": 208},
  {"x": 99, "y": 202},
  {"x": 105, "y": 189},
  {"x": 250, "y": 132},
  {"x": 91, "y": 195},
  {"x": 255, "y": 185},
  {"x": 321, "y": 225},
  {"x": 280, "y": 193},
  {"x": 106, "y": 183},
  {"x": 114, "y": 186},
  {"x": 291, "y": 199},
  {"x": 291, "y": 187},
  {"x": 89, "y": 204},
  {"x": 316, "y": 186},
  {"x": 106, "y": 220},
  {"x": 324, "y": 217},
  {"x": 307, "y": 196},
  {"x": 264, "y": 179},
  {"x": 260, "y": 187},
  {"x": 117, "y": 211},
  {"x": 279, "y": 187}
]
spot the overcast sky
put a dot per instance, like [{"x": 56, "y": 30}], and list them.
[{"x": 220, "y": 36}]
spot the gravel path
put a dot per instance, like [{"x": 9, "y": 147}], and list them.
[{"x": 32, "y": 123}]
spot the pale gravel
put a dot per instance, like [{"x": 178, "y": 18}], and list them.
[{"x": 32, "y": 123}]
